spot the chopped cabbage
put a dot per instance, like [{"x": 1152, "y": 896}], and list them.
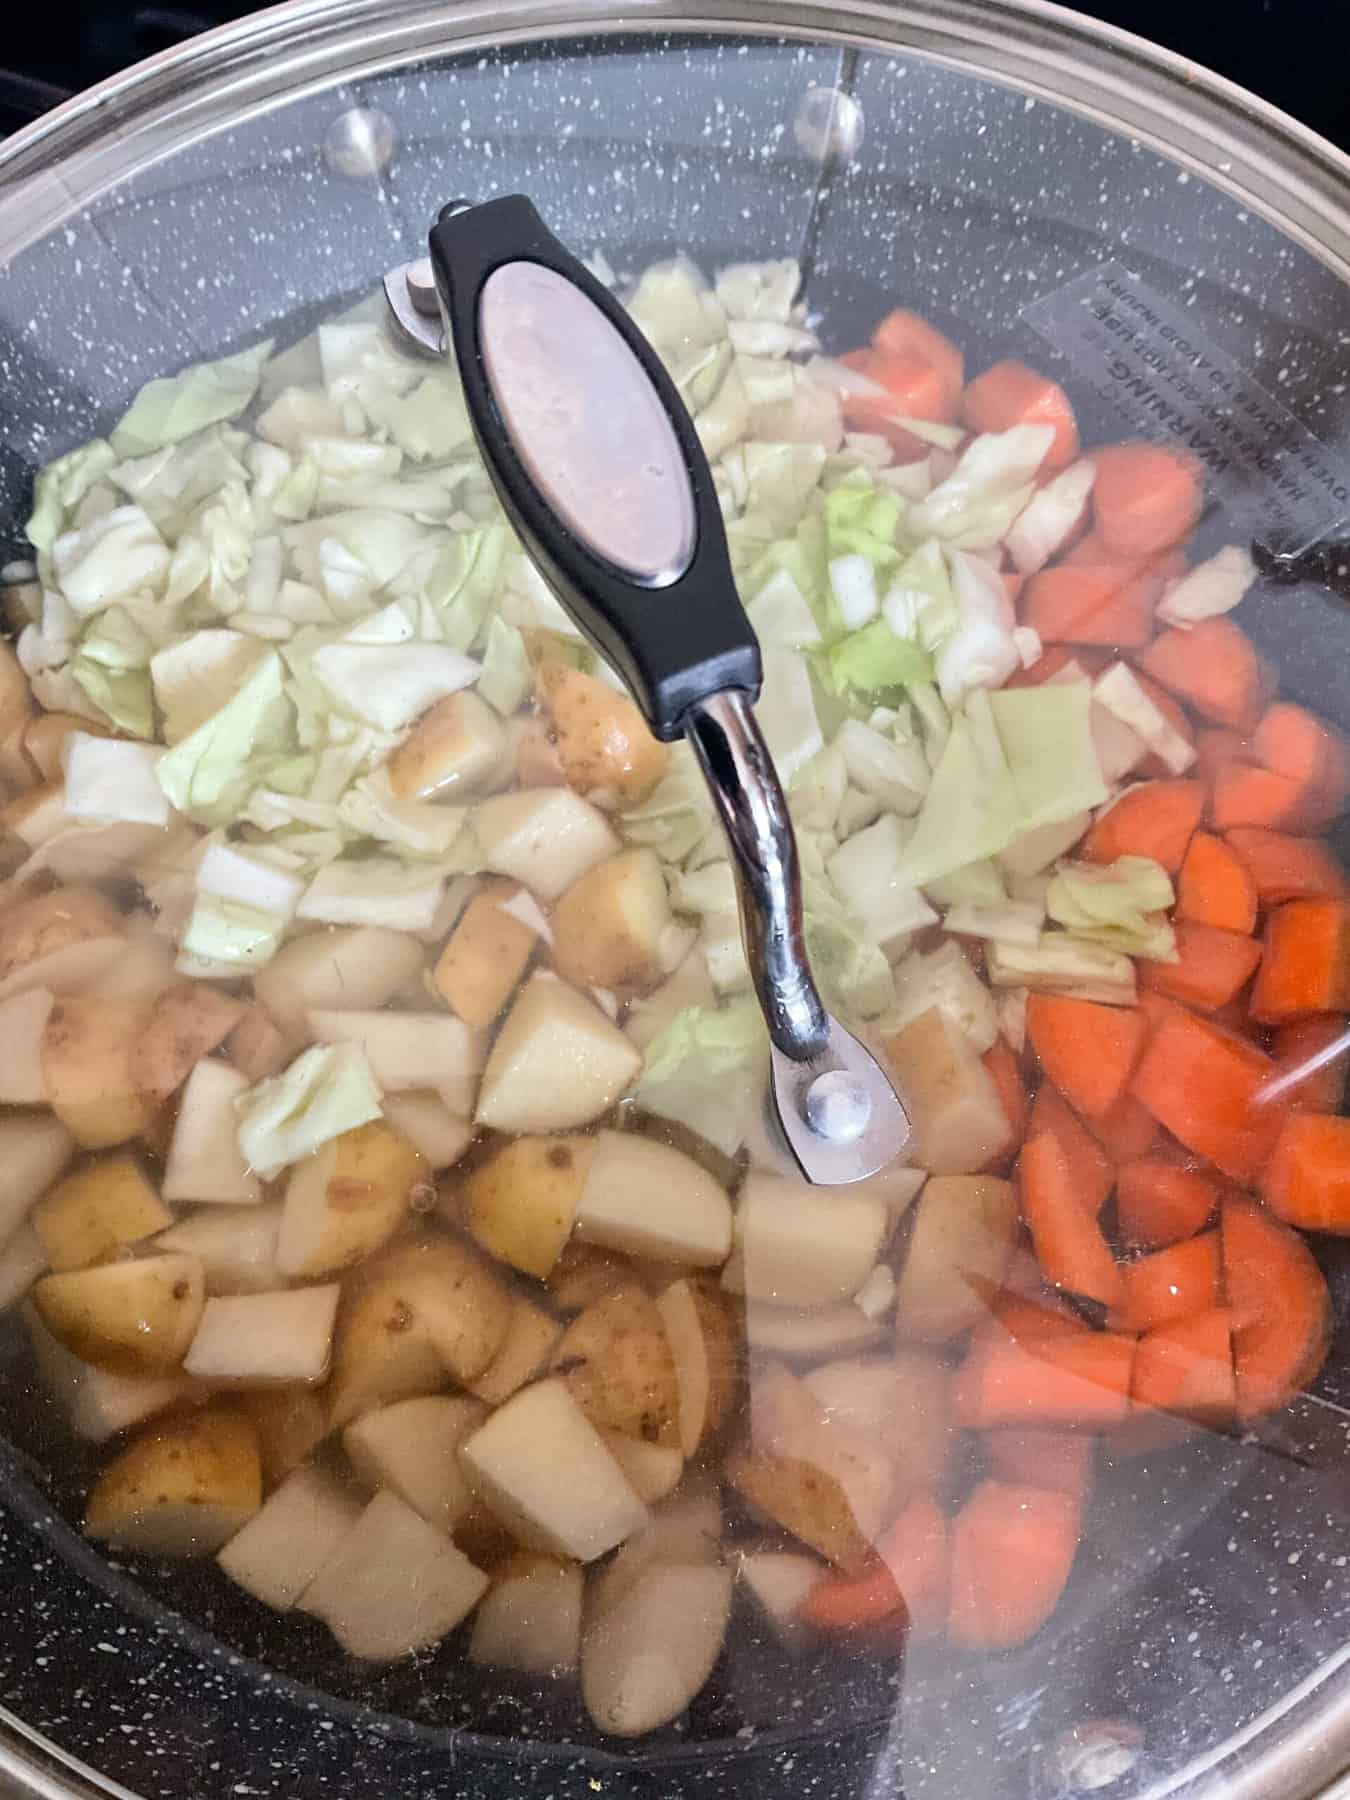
[
  {"x": 920, "y": 604},
  {"x": 759, "y": 290},
  {"x": 1050, "y": 517},
  {"x": 166, "y": 411},
  {"x": 373, "y": 890},
  {"x": 977, "y": 503},
  {"x": 980, "y": 652},
  {"x": 209, "y": 774},
  {"x": 506, "y": 677},
  {"x": 1046, "y": 734},
  {"x": 708, "y": 1071},
  {"x": 787, "y": 712},
  {"x": 1011, "y": 921},
  {"x": 978, "y": 884},
  {"x": 109, "y": 782},
  {"x": 818, "y": 789},
  {"x": 1037, "y": 849},
  {"x": 944, "y": 979},
  {"x": 781, "y": 617},
  {"x": 1122, "y": 905},
  {"x": 875, "y": 661},
  {"x": 194, "y": 676},
  {"x": 1117, "y": 691},
  {"x": 416, "y": 828},
  {"x": 327, "y": 1090},
  {"x": 891, "y": 769},
  {"x": 853, "y": 584},
  {"x": 61, "y": 485},
  {"x": 1061, "y": 964},
  {"x": 119, "y": 554},
  {"x": 1211, "y": 588},
  {"x": 386, "y": 686},
  {"x": 867, "y": 873}
]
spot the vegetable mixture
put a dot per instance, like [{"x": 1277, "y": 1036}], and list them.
[{"x": 386, "y": 1183}]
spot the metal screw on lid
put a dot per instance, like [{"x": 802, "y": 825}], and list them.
[
  {"x": 422, "y": 287},
  {"x": 838, "y": 1107},
  {"x": 360, "y": 143},
  {"x": 829, "y": 125}
]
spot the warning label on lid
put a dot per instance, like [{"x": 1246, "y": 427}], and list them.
[{"x": 1148, "y": 360}]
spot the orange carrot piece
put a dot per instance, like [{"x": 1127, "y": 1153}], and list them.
[
  {"x": 1294, "y": 743},
  {"x": 917, "y": 1551},
  {"x": 842, "y": 1603},
  {"x": 1060, "y": 1460},
  {"x": 1186, "y": 1367},
  {"x": 1145, "y": 498},
  {"x": 1305, "y": 966},
  {"x": 1126, "y": 1131},
  {"x": 1089, "y": 1167},
  {"x": 1013, "y": 1547},
  {"x": 1288, "y": 868},
  {"x": 1200, "y": 1083},
  {"x": 1154, "y": 818},
  {"x": 912, "y": 388},
  {"x": 1159, "y": 1202},
  {"x": 1080, "y": 1381},
  {"x": 1153, "y": 768},
  {"x": 1069, "y": 1244},
  {"x": 1212, "y": 667},
  {"x": 1280, "y": 1306},
  {"x": 1307, "y": 1180},
  {"x": 1215, "y": 965},
  {"x": 1055, "y": 658},
  {"x": 1088, "y": 1050},
  {"x": 904, "y": 333},
  {"x": 1216, "y": 749},
  {"x": 1012, "y": 394},
  {"x": 1012, "y": 1094},
  {"x": 1245, "y": 795},
  {"x": 1171, "y": 1284},
  {"x": 1215, "y": 888},
  {"x": 1092, "y": 603},
  {"x": 1293, "y": 1044},
  {"x": 1024, "y": 1319}
]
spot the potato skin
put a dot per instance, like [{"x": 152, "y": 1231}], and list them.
[
  {"x": 521, "y": 1204},
  {"x": 367, "y": 1176},
  {"x": 188, "y": 1021},
  {"x": 485, "y": 956},
  {"x": 203, "y": 1463},
  {"x": 963, "y": 1234},
  {"x": 804, "y": 1500},
  {"x": 608, "y": 926},
  {"x": 87, "y": 1052},
  {"x": 619, "y": 1368},
  {"x": 606, "y": 750},
  {"x": 89, "y": 1215},
  {"x": 135, "y": 1318},
  {"x": 53, "y": 921}
]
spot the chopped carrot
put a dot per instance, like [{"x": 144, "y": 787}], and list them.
[
  {"x": 1280, "y": 1306},
  {"x": 1145, "y": 498},
  {"x": 1216, "y": 749},
  {"x": 1093, "y": 603},
  {"x": 1012, "y": 1094},
  {"x": 911, "y": 388},
  {"x": 1013, "y": 1548},
  {"x": 1126, "y": 1131},
  {"x": 1171, "y": 1284},
  {"x": 1288, "y": 868},
  {"x": 1153, "y": 818},
  {"x": 1212, "y": 667},
  {"x": 1214, "y": 887},
  {"x": 1200, "y": 1083},
  {"x": 841, "y": 1603},
  {"x": 1088, "y": 1165},
  {"x": 1307, "y": 1180},
  {"x": 1214, "y": 965},
  {"x": 1159, "y": 1202},
  {"x": 1186, "y": 1367},
  {"x": 1245, "y": 795},
  {"x": 1061, "y": 1460},
  {"x": 1294, "y": 743},
  {"x": 1020, "y": 1317},
  {"x": 1153, "y": 767},
  {"x": 1055, "y": 658},
  {"x": 917, "y": 1551},
  {"x": 1324, "y": 1089},
  {"x": 1079, "y": 1381},
  {"x": 1012, "y": 394},
  {"x": 1069, "y": 1244},
  {"x": 1088, "y": 1050},
  {"x": 1305, "y": 966},
  {"x": 903, "y": 333}
]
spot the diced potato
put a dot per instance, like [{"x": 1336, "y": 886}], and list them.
[
  {"x": 34, "y": 931},
  {"x": 521, "y": 1203},
  {"x": 690, "y": 985},
  {"x": 44, "y": 740},
  {"x": 285, "y": 1544},
  {"x": 558, "y": 1062},
  {"x": 806, "y": 1246},
  {"x": 94, "y": 1212},
  {"x": 99, "y": 1404},
  {"x": 205, "y": 1162},
  {"x": 188, "y": 1022},
  {"x": 23, "y": 1027},
  {"x": 358, "y": 968},
  {"x": 545, "y": 838},
  {"x": 485, "y": 956},
  {"x": 530, "y": 1618},
  {"x": 585, "y": 1273},
  {"x": 618, "y": 1365},
  {"x": 37, "y": 814},
  {"x": 143, "y": 969},
  {"x": 404, "y": 1049},
  {"x": 809, "y": 1336},
  {"x": 393, "y": 1585},
  {"x": 703, "y": 1342},
  {"x": 606, "y": 750},
  {"x": 237, "y": 1246},
  {"x": 648, "y": 1200},
  {"x": 16, "y": 697},
  {"x": 182, "y": 1487},
  {"x": 959, "y": 1123},
  {"x": 87, "y": 1051},
  {"x": 653, "y": 1470},
  {"x": 609, "y": 926},
  {"x": 291, "y": 1424},
  {"x": 452, "y": 749},
  {"x": 412, "y": 1448},
  {"x": 257, "y": 1046},
  {"x": 685, "y": 1529},
  {"x": 778, "y": 1581},
  {"x": 423, "y": 1118},
  {"x": 35, "y": 1149},
  {"x": 903, "y": 1403},
  {"x": 347, "y": 1200},
  {"x": 526, "y": 1348},
  {"x": 265, "y": 1340},
  {"x": 135, "y": 1318},
  {"x": 22, "y": 1260},
  {"x": 536, "y": 762},
  {"x": 962, "y": 1237},
  {"x": 419, "y": 1314},
  {"x": 516, "y": 1463},
  {"x": 644, "y": 1659}
]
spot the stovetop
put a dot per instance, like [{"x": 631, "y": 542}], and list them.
[{"x": 1277, "y": 48}]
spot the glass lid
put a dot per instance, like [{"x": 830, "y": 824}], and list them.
[{"x": 425, "y": 1367}]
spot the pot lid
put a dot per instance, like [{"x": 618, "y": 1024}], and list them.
[{"x": 1107, "y": 242}]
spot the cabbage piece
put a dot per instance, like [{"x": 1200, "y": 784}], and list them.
[
  {"x": 710, "y": 889},
  {"x": 327, "y": 1090},
  {"x": 1012, "y": 1017},
  {"x": 920, "y": 603},
  {"x": 978, "y": 884},
  {"x": 980, "y": 651},
  {"x": 945, "y": 980},
  {"x": 1049, "y": 518},
  {"x": 110, "y": 665},
  {"x": 868, "y": 874},
  {"x": 170, "y": 482},
  {"x": 507, "y": 677},
  {"x": 1046, "y": 733},
  {"x": 853, "y": 586},
  {"x": 167, "y": 411},
  {"x": 759, "y": 290},
  {"x": 60, "y": 487},
  {"x": 298, "y": 414},
  {"x": 722, "y": 947},
  {"x": 893, "y": 771},
  {"x": 464, "y": 581},
  {"x": 375, "y": 542},
  {"x": 245, "y": 899},
  {"x": 875, "y": 661},
  {"x": 1122, "y": 905},
  {"x": 1117, "y": 692},
  {"x": 678, "y": 813},
  {"x": 227, "y": 938},
  {"x": 121, "y": 553},
  {"x": 674, "y": 309},
  {"x": 1061, "y": 964},
  {"x": 972, "y": 808},
  {"x": 781, "y": 617},
  {"x": 862, "y": 519},
  {"x": 935, "y": 722},
  {"x": 726, "y": 417},
  {"x": 1035, "y": 850},
  {"x": 708, "y": 1070},
  {"x": 195, "y": 676},
  {"x": 208, "y": 774},
  {"x": 417, "y": 828},
  {"x": 977, "y": 503},
  {"x": 1012, "y": 921},
  {"x": 121, "y": 696},
  {"x": 387, "y": 686},
  {"x": 786, "y": 712},
  {"x": 373, "y": 890},
  {"x": 1211, "y": 588},
  {"x": 109, "y": 782},
  {"x": 817, "y": 790}
]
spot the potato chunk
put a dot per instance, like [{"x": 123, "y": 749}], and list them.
[
  {"x": 485, "y": 956},
  {"x": 265, "y": 1340},
  {"x": 412, "y": 1448},
  {"x": 521, "y": 1203},
  {"x": 23, "y": 1027},
  {"x": 606, "y": 750},
  {"x": 359, "y": 967},
  {"x": 527, "y": 1346},
  {"x": 182, "y": 1487},
  {"x": 545, "y": 838},
  {"x": 34, "y": 930},
  {"x": 347, "y": 1200},
  {"x": 85, "y": 1218},
  {"x": 530, "y": 1618},
  {"x": 34, "y": 1149},
  {"x": 619, "y": 1368},
  {"x": 645, "y": 1199},
  {"x": 644, "y": 1659},
  {"x": 558, "y": 1062},
  {"x": 87, "y": 1052},
  {"x": 204, "y": 1161},
  {"x": 237, "y": 1246},
  {"x": 285, "y": 1544},
  {"x": 953, "y": 1104},
  {"x": 609, "y": 926},
  {"x": 806, "y": 1246},
  {"x": 188, "y": 1022},
  {"x": 962, "y": 1237},
  {"x": 135, "y": 1318},
  {"x": 454, "y": 747},
  {"x": 703, "y": 1342}
]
